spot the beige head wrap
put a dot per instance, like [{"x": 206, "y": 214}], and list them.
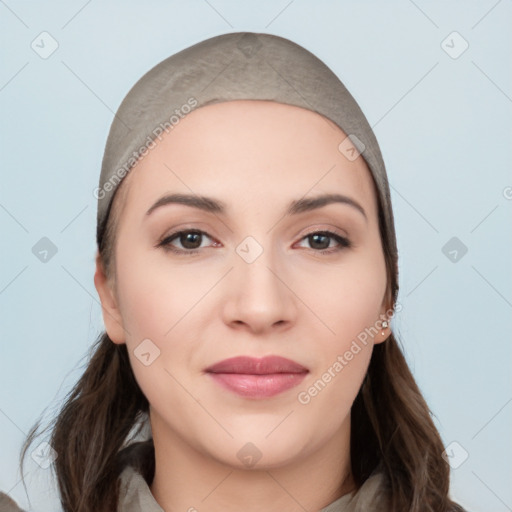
[{"x": 242, "y": 65}]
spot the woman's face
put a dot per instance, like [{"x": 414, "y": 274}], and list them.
[{"x": 257, "y": 283}]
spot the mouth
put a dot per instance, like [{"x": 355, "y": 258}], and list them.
[{"x": 251, "y": 377}]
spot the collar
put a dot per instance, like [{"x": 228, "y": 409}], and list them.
[{"x": 135, "y": 495}]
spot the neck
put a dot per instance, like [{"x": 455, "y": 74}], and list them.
[{"x": 189, "y": 480}]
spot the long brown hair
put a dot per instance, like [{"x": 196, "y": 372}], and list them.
[{"x": 391, "y": 424}]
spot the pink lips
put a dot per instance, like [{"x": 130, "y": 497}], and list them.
[{"x": 257, "y": 378}]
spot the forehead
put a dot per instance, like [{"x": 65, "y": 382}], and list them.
[{"x": 266, "y": 149}]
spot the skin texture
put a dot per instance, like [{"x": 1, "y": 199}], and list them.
[{"x": 292, "y": 301}]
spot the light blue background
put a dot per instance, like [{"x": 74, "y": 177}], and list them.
[{"x": 444, "y": 126}]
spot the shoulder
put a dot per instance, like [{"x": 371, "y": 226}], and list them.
[
  {"x": 135, "y": 493},
  {"x": 372, "y": 496},
  {"x": 7, "y": 504}
]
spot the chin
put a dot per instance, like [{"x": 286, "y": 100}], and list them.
[{"x": 258, "y": 453}]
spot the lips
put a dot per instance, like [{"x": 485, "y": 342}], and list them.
[
  {"x": 253, "y": 366},
  {"x": 257, "y": 378}
]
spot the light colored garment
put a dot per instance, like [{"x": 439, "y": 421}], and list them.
[{"x": 135, "y": 495}]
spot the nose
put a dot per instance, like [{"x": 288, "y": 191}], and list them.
[{"x": 259, "y": 298}]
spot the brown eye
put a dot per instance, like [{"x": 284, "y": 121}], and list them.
[
  {"x": 321, "y": 241},
  {"x": 190, "y": 241}
]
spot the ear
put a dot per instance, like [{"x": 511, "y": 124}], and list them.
[
  {"x": 109, "y": 305},
  {"x": 386, "y": 309}
]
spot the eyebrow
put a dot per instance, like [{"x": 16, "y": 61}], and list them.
[{"x": 211, "y": 205}]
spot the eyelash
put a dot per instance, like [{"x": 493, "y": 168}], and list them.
[{"x": 344, "y": 243}]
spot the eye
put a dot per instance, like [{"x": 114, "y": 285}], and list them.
[
  {"x": 320, "y": 241},
  {"x": 190, "y": 241}
]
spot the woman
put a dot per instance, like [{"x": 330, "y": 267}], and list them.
[{"x": 247, "y": 271}]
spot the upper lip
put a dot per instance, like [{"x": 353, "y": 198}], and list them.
[{"x": 257, "y": 366}]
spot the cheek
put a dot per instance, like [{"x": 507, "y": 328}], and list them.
[
  {"x": 351, "y": 310},
  {"x": 157, "y": 305},
  {"x": 328, "y": 396},
  {"x": 153, "y": 298},
  {"x": 345, "y": 298},
  {"x": 348, "y": 300}
]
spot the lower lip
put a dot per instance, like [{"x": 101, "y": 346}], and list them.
[{"x": 258, "y": 386}]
